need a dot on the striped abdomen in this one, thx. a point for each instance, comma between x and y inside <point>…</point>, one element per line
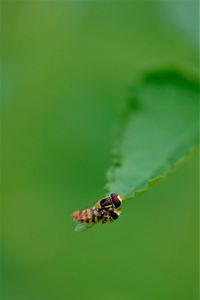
<point>90,215</point>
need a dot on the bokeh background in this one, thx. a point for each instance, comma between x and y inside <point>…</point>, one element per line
<point>66,68</point>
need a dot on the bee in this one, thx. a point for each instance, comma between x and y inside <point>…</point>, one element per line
<point>104,211</point>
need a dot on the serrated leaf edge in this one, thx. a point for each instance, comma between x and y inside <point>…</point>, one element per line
<point>155,180</point>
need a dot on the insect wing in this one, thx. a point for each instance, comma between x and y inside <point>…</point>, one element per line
<point>82,226</point>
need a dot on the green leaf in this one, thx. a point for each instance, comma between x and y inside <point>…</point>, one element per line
<point>158,131</point>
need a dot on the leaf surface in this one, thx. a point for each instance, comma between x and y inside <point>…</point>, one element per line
<point>159,130</point>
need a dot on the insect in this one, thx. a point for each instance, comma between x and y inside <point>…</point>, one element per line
<point>104,211</point>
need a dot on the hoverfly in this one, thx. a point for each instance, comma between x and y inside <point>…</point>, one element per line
<point>104,211</point>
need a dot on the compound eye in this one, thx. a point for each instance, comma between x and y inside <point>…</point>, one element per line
<point>116,200</point>
<point>114,215</point>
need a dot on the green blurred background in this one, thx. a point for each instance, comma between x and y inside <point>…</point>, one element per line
<point>66,68</point>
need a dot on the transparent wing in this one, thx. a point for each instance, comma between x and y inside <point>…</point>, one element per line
<point>82,226</point>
